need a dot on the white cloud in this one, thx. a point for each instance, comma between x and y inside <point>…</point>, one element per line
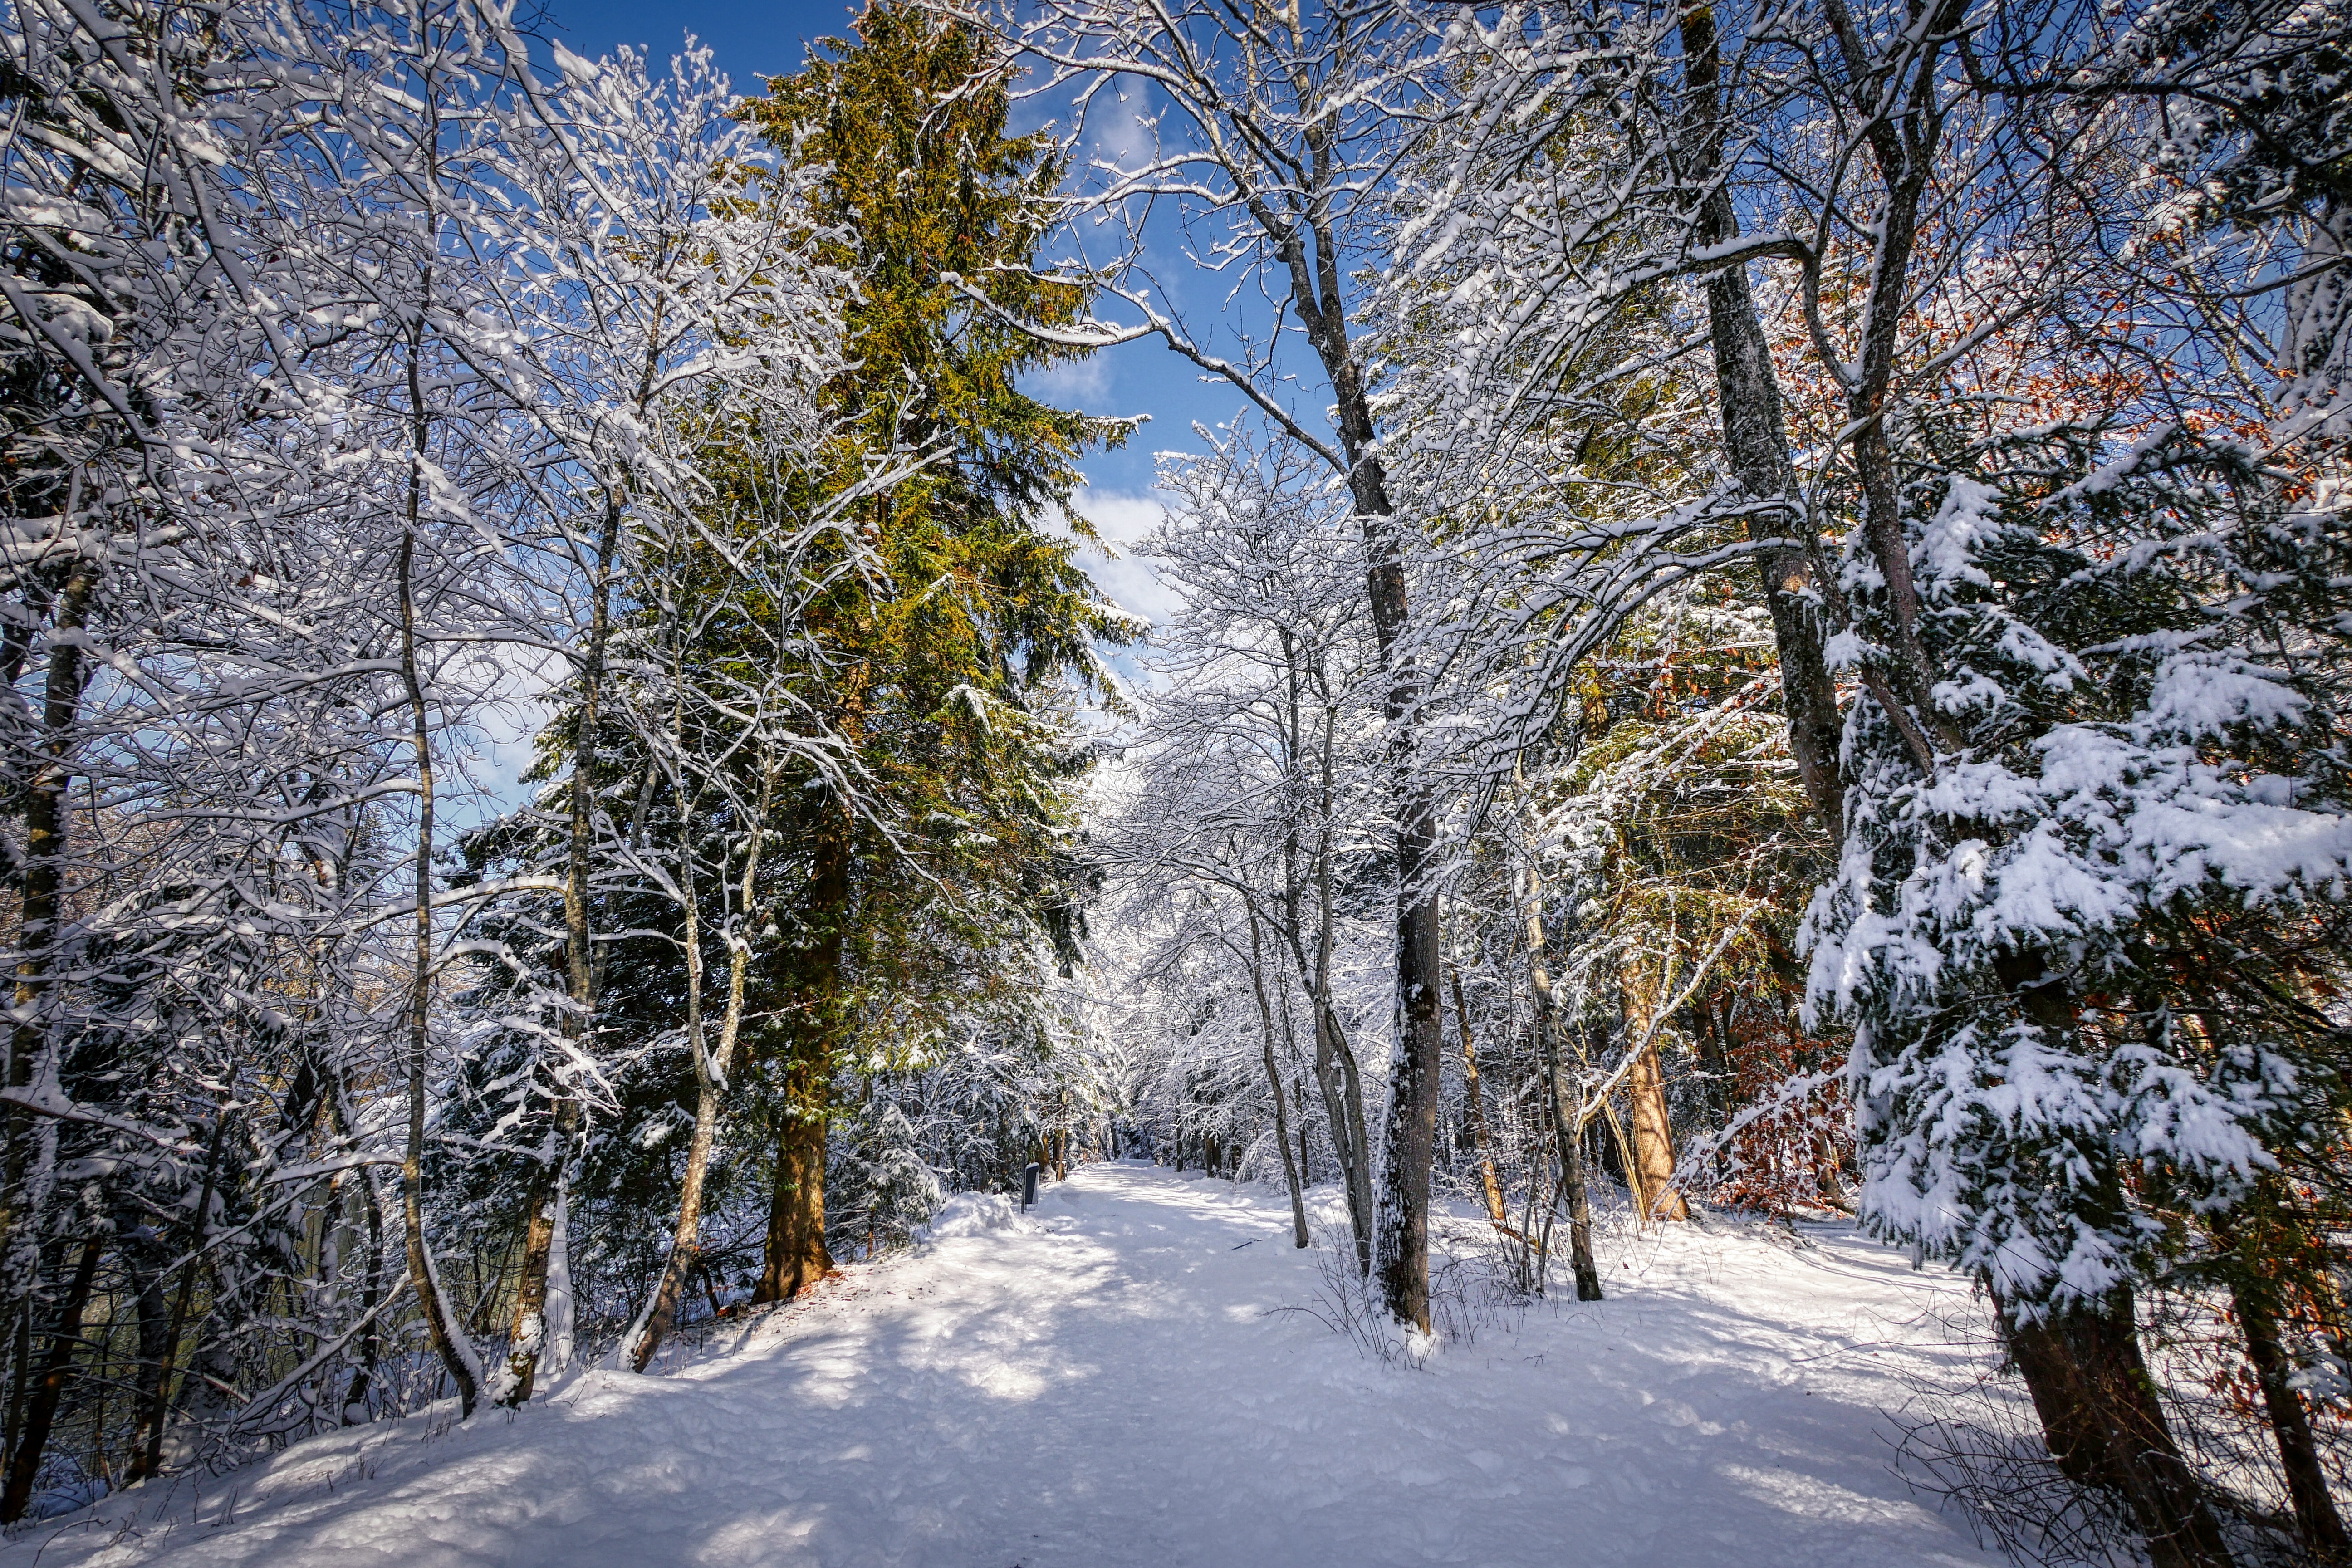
<point>1081,384</point>
<point>1125,519</point>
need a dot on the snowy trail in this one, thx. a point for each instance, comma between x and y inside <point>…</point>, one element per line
<point>1107,1387</point>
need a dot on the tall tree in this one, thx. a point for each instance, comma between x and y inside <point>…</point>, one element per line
<point>1274,128</point>
<point>948,673</point>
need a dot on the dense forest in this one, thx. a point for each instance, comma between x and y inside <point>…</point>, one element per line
<point>1771,641</point>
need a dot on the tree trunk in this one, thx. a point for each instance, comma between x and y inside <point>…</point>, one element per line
<point>1409,1138</point>
<point>1489,1181</point>
<point>1409,1135</point>
<point>1755,438</point>
<point>1654,1139</point>
<point>796,1255</point>
<point>20,1380</point>
<point>155,1412</point>
<point>1335,1064</point>
<point>41,1409</point>
<point>39,908</point>
<point>1298,1105</point>
<point>711,1076</point>
<point>1568,1118</point>
<point>2316,1518</point>
<point>457,1356</point>
<point>1274,1085</point>
<point>529,1328</point>
<point>372,1287</point>
<point>1653,1164</point>
<point>2105,1428</point>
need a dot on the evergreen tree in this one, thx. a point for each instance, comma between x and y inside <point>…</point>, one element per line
<point>949,677</point>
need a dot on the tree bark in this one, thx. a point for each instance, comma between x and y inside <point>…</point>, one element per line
<point>1335,1064</point>
<point>440,1330</point>
<point>711,1077</point>
<point>528,1333</point>
<point>372,1287</point>
<point>1274,1085</point>
<point>1755,438</point>
<point>155,1414</point>
<point>39,910</point>
<point>2105,1428</point>
<point>20,1378</point>
<point>1489,1183</point>
<point>796,1256</point>
<point>1567,1119</point>
<point>1409,1133</point>
<point>1298,1105</point>
<point>2316,1516</point>
<point>1654,1139</point>
<point>41,1409</point>
<point>1652,1152</point>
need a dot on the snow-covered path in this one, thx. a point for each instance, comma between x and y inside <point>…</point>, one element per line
<point>1109,1387</point>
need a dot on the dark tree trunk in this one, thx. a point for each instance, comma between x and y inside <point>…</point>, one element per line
<point>154,1412</point>
<point>1335,1064</point>
<point>1408,1140</point>
<point>142,1256</point>
<point>2316,1518</point>
<point>20,1381</point>
<point>371,1287</point>
<point>441,1331</point>
<point>1273,1084</point>
<point>2104,1426</point>
<point>1567,1108</point>
<point>796,1255</point>
<point>1298,1104</point>
<point>40,905</point>
<point>41,1408</point>
<point>1756,441</point>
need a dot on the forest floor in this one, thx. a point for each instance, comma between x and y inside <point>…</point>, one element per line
<point>1118,1381</point>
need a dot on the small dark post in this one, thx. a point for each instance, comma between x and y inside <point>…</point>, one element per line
<point>1029,1183</point>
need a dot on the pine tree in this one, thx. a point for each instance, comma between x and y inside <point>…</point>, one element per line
<point>949,678</point>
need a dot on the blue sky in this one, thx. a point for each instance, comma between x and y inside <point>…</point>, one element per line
<point>753,40</point>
